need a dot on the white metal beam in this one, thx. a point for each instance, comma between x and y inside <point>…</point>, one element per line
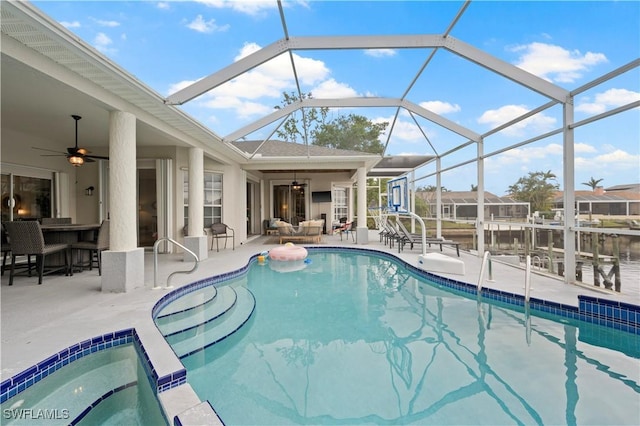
<point>264,121</point>
<point>505,69</point>
<point>441,121</point>
<point>301,43</point>
<point>227,73</point>
<point>354,103</point>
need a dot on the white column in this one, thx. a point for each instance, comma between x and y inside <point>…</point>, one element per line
<point>196,241</point>
<point>123,263</point>
<point>568,165</point>
<point>362,232</point>
<point>480,218</point>
<point>438,198</point>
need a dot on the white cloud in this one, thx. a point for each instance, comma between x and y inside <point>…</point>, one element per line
<point>380,53</point>
<point>331,89</point>
<point>310,71</point>
<point>74,24</point>
<point>555,63</point>
<point>243,109</point>
<point>583,147</point>
<point>496,117</point>
<point>248,7</point>
<point>440,107</point>
<point>163,5</point>
<point>618,159</point>
<point>403,131</point>
<point>202,26</point>
<point>102,42</point>
<point>612,98</point>
<point>109,24</point>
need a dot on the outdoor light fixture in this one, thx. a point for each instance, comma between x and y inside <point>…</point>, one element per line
<point>89,191</point>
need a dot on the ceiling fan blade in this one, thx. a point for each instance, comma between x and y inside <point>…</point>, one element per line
<point>88,160</point>
<point>99,157</point>
<point>53,155</point>
<point>50,150</point>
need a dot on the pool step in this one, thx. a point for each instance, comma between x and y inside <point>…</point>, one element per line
<point>189,301</point>
<point>181,322</point>
<point>72,389</point>
<point>204,336</point>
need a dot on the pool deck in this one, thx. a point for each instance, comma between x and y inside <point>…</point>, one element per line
<point>40,320</point>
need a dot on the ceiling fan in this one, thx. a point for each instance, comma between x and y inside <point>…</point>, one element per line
<point>75,155</point>
<point>295,184</point>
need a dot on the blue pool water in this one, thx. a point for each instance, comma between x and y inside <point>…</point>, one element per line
<point>107,387</point>
<point>357,339</point>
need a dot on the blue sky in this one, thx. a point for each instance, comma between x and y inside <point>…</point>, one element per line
<point>168,45</point>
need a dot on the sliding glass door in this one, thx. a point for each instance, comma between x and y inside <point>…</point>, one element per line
<point>289,203</point>
<point>25,197</point>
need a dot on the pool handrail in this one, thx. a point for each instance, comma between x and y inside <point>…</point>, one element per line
<point>486,264</point>
<point>155,262</point>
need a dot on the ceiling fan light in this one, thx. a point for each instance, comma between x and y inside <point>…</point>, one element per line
<point>76,161</point>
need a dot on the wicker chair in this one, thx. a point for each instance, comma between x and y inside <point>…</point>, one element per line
<point>95,248</point>
<point>220,230</point>
<point>27,240</point>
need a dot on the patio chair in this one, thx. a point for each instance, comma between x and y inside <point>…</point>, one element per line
<point>6,249</point>
<point>390,234</point>
<point>95,249</point>
<point>348,229</point>
<point>27,240</point>
<point>406,237</point>
<point>220,230</point>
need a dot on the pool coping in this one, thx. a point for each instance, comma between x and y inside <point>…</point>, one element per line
<point>611,314</point>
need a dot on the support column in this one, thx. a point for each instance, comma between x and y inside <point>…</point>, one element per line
<point>568,172</point>
<point>123,263</point>
<point>362,232</point>
<point>438,198</point>
<point>480,215</point>
<point>196,241</point>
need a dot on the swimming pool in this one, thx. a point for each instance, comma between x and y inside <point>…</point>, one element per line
<point>359,338</point>
<point>101,381</point>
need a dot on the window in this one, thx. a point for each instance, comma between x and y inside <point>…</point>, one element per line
<point>31,197</point>
<point>212,198</point>
<point>340,207</point>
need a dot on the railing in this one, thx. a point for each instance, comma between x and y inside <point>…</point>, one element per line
<point>487,264</point>
<point>155,263</point>
<point>423,228</point>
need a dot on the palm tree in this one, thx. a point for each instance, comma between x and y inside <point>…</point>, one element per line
<point>593,183</point>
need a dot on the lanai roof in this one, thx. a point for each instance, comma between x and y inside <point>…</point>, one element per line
<point>59,73</point>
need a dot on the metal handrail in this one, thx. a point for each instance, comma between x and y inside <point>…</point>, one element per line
<point>527,279</point>
<point>486,262</point>
<point>155,263</point>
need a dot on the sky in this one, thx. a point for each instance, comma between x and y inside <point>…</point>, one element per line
<point>168,45</point>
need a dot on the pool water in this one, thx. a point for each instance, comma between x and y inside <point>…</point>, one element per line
<point>111,382</point>
<point>357,339</point>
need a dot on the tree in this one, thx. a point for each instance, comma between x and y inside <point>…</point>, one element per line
<point>537,188</point>
<point>301,124</point>
<point>431,188</point>
<point>593,183</point>
<point>353,132</point>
